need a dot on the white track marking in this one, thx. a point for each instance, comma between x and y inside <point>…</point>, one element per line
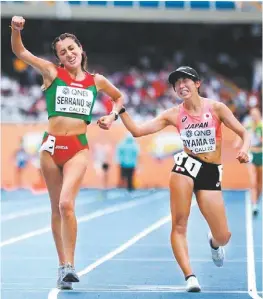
<point>85,218</point>
<point>54,292</point>
<point>46,208</point>
<point>128,289</point>
<point>251,275</point>
<point>40,210</point>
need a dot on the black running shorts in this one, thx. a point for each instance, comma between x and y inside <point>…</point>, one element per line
<point>206,176</point>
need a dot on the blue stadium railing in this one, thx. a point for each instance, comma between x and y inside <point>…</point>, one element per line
<point>219,5</point>
<point>176,5</point>
<point>156,4</point>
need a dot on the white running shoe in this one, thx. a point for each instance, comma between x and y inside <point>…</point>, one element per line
<point>63,285</point>
<point>218,255</point>
<point>69,274</point>
<point>192,285</point>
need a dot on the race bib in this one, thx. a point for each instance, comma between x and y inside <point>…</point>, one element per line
<point>184,161</point>
<point>73,100</point>
<point>199,140</point>
<point>49,145</point>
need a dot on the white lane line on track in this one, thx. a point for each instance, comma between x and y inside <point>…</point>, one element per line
<point>46,208</point>
<point>54,292</point>
<point>127,289</point>
<point>128,260</point>
<point>251,274</point>
<point>40,210</point>
<point>85,218</point>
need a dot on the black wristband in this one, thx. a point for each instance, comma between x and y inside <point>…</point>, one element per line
<point>123,109</point>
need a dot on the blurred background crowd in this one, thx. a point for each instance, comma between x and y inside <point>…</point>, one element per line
<point>137,58</point>
<point>135,44</point>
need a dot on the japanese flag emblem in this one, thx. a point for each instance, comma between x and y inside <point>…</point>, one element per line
<point>207,115</point>
<point>179,169</point>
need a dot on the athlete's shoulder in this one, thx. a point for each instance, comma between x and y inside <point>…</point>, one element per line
<point>62,73</point>
<point>60,69</point>
<point>216,105</point>
<point>88,74</point>
<point>217,108</point>
<point>210,102</point>
<point>170,115</point>
<point>100,80</point>
<point>172,111</point>
<point>90,77</point>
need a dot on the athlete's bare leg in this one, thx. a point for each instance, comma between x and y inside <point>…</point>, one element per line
<point>259,181</point>
<point>181,190</point>
<point>18,177</point>
<point>53,178</point>
<point>252,173</point>
<point>105,179</point>
<point>73,173</point>
<point>212,207</point>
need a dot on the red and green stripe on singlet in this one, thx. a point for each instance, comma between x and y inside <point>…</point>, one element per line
<point>64,79</point>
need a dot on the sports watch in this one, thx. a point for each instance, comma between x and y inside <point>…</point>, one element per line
<point>123,109</point>
<point>116,113</point>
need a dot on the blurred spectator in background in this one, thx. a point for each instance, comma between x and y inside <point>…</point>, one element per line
<point>146,94</point>
<point>140,68</point>
<point>254,126</point>
<point>102,152</point>
<point>253,123</point>
<point>21,160</point>
<point>127,154</point>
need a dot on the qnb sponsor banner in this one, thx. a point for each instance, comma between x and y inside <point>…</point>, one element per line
<point>73,100</point>
<point>199,140</point>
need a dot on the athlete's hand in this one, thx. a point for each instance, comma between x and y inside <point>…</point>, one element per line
<point>242,157</point>
<point>18,23</point>
<point>105,122</point>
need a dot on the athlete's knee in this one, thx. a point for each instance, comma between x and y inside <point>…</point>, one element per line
<point>55,213</point>
<point>223,238</point>
<point>179,226</point>
<point>66,207</point>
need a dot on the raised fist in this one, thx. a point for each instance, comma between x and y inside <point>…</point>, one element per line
<point>18,23</point>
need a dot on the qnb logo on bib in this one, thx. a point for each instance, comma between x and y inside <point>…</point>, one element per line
<point>73,100</point>
<point>199,140</point>
<point>65,90</point>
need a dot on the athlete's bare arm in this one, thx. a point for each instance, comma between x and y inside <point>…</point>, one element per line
<point>148,127</point>
<point>106,86</point>
<point>229,120</point>
<point>46,68</point>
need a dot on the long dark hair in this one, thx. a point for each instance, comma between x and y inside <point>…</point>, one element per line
<point>84,60</point>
